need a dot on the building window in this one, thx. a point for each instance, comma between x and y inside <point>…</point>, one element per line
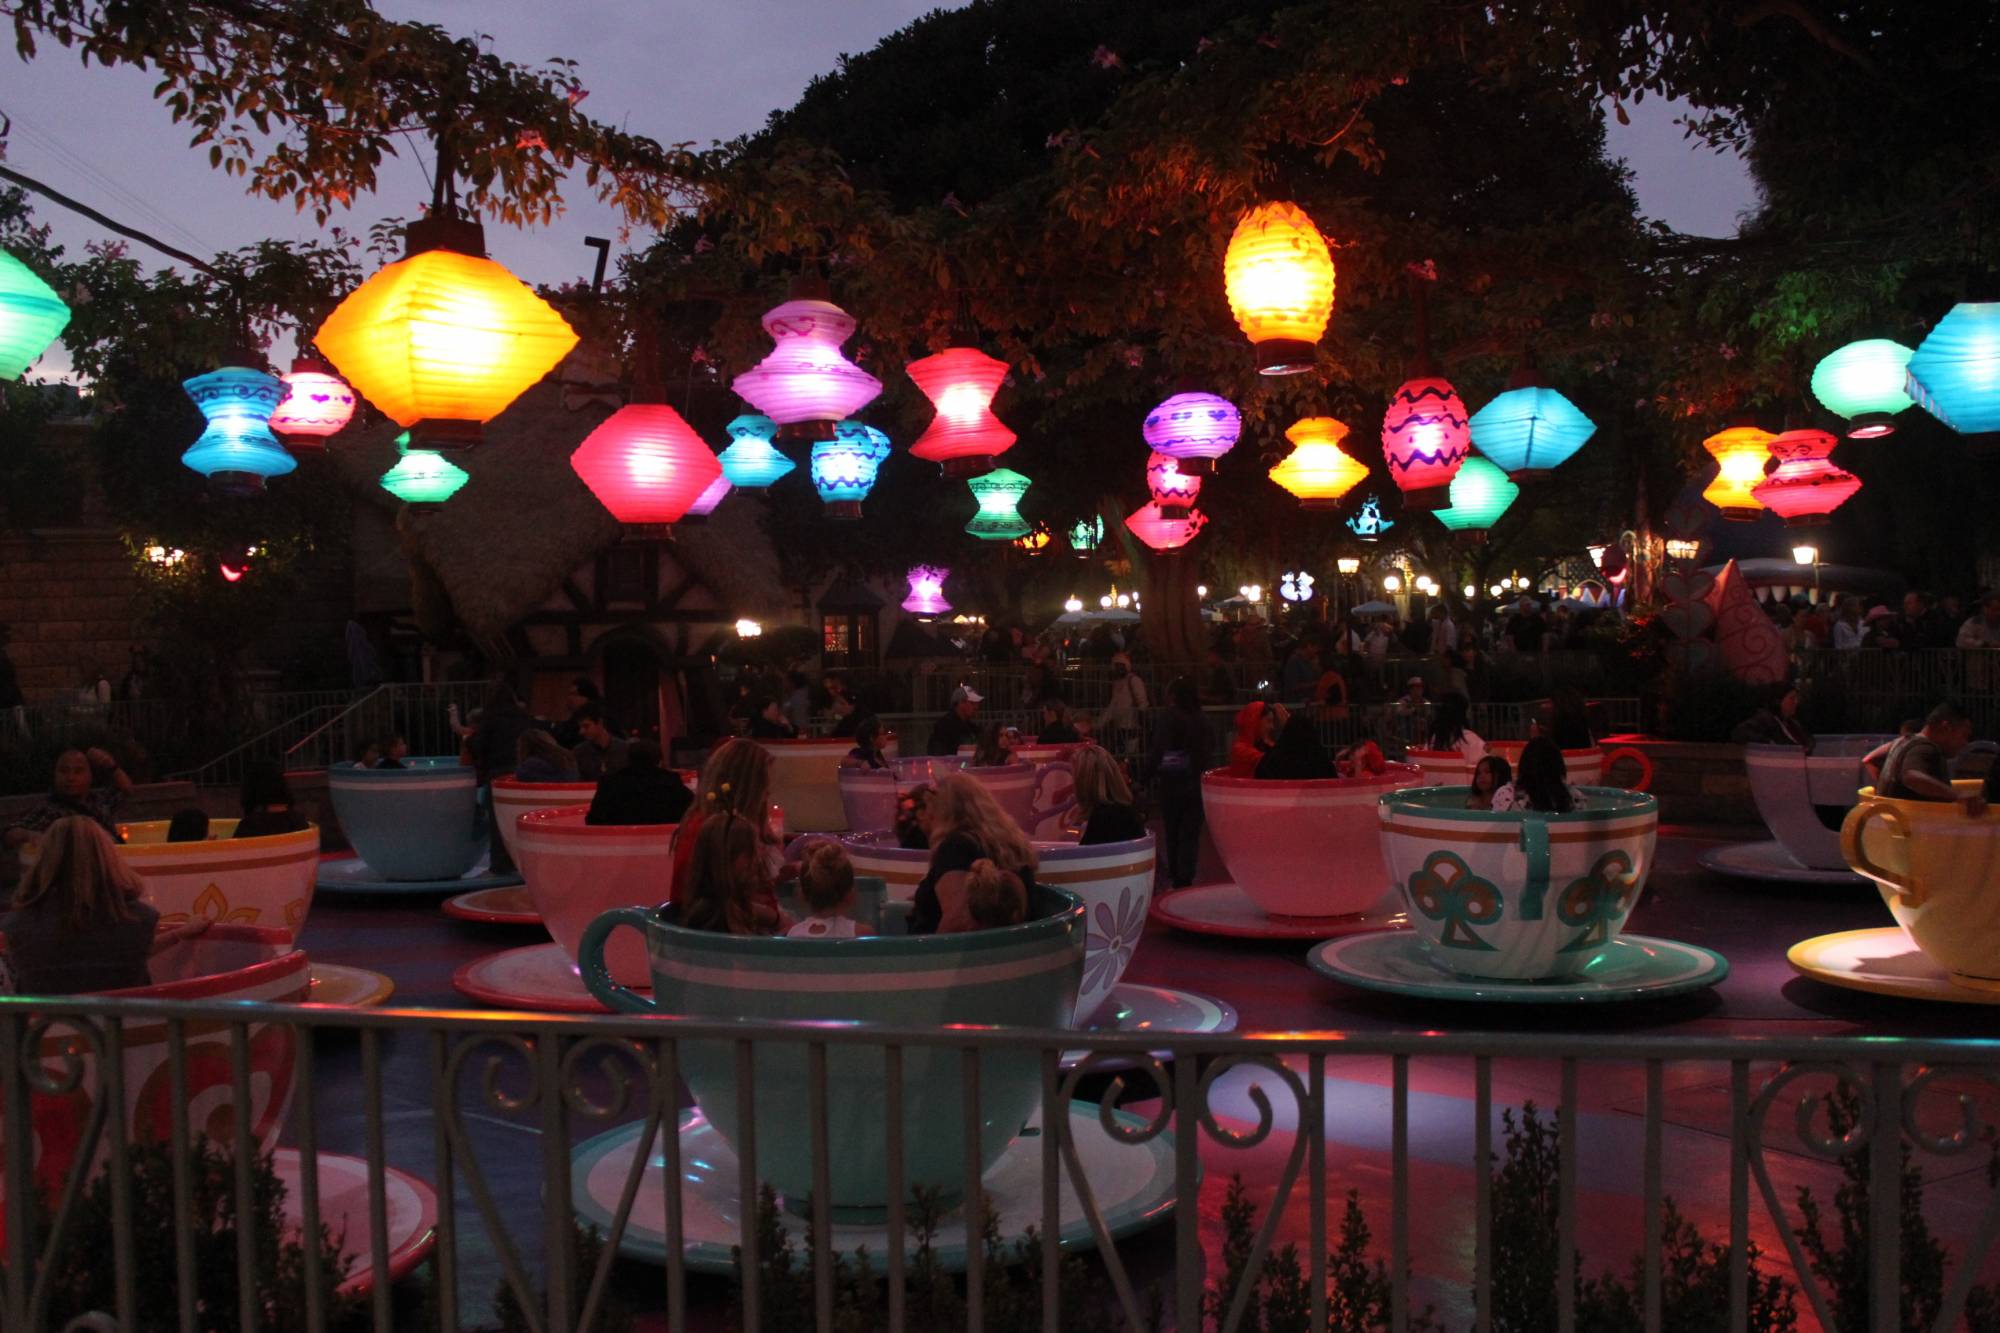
<point>847,640</point>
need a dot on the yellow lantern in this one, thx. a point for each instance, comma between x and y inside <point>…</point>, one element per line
<point>1279,276</point>
<point>1317,470</point>
<point>1742,452</point>
<point>443,340</point>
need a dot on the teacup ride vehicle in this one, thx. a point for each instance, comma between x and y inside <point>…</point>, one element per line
<point>72,1129</point>
<point>805,780</point>
<point>415,829</point>
<point>1802,796</point>
<point>1519,905</point>
<point>1304,858</point>
<point>1115,882</point>
<point>1039,809</point>
<point>1938,870</point>
<point>868,796</point>
<point>575,873</point>
<point>839,1130</point>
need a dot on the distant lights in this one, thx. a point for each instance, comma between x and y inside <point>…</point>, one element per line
<point>748,629</point>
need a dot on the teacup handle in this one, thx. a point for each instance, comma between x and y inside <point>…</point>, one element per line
<point>596,976</point>
<point>1535,846</point>
<point>1856,856</point>
<point>1638,757</point>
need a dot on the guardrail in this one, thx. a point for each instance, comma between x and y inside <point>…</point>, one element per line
<point>497,1083</point>
<point>1876,688</point>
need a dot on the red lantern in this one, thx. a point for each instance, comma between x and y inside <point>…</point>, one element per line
<point>965,437</point>
<point>1173,490</point>
<point>645,464</point>
<point>1425,437</point>
<point>1161,533</point>
<point>1805,487</point>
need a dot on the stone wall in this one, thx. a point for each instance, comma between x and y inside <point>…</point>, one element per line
<point>72,602</point>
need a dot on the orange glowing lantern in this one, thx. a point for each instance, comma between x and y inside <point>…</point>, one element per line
<point>965,437</point>
<point>1279,277</point>
<point>1318,471</point>
<point>1741,452</point>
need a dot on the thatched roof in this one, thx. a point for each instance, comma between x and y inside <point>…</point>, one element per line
<point>502,545</point>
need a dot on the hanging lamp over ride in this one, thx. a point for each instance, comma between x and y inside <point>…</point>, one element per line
<point>844,468</point>
<point>965,437</point>
<point>1425,436</point>
<point>1161,533</point>
<point>644,463</point>
<point>705,503</point>
<point>1195,429</point>
<point>1529,429</point>
<point>317,403</point>
<point>1955,372</point>
<point>927,591</point>
<point>1279,277</point>
<point>32,317</point>
<point>1173,490</point>
<point>1086,533</point>
<point>805,384</point>
<point>751,461</point>
<point>1317,470</point>
<point>237,451</point>
<point>999,495</point>
<point>1480,494</point>
<point>424,479</point>
<point>1865,382</point>
<point>445,339</point>
<point>1805,487</point>
<point>1740,452</point>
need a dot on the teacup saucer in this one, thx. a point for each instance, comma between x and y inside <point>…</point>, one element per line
<point>411,1207</point>
<point>1132,1007</point>
<point>1882,961</point>
<point>1133,1184</point>
<point>1632,967</point>
<point>539,977</point>
<point>351,874</point>
<point>1224,909</point>
<point>354,987</point>
<point>495,907</point>
<point>1771,862</point>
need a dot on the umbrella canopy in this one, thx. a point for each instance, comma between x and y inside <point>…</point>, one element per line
<point>1374,609</point>
<point>1114,616</point>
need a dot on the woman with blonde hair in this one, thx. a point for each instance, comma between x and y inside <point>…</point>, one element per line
<point>77,923</point>
<point>736,780</point>
<point>966,826</point>
<point>1102,809</point>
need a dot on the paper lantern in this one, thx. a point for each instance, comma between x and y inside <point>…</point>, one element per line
<point>1741,452</point>
<point>751,461</point>
<point>1196,428</point>
<point>32,316</point>
<point>1804,487</point>
<point>1279,277</point>
<point>1480,493</point>
<point>1368,524</point>
<point>645,464</point>
<point>316,404</point>
<point>705,503</point>
<point>1296,587</point>
<point>843,468</point>
<point>1529,430</point>
<point>927,591</point>
<point>1161,533</point>
<point>446,339</point>
<point>999,494</point>
<point>805,384</point>
<point>1318,471</point>
<point>1425,438</point>
<point>1864,382</point>
<point>965,437</point>
<point>424,478</point>
<point>1955,372</point>
<point>1086,533</point>
<point>237,450</point>
<point>1036,541</point>
<point>1173,490</point>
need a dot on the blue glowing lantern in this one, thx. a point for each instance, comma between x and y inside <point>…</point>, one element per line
<point>1529,429</point>
<point>237,452</point>
<point>843,468</point>
<point>999,494</point>
<point>752,462</point>
<point>1368,524</point>
<point>1955,373</point>
<point>31,317</point>
<point>1863,381</point>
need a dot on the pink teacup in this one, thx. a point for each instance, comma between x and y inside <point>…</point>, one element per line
<point>1307,848</point>
<point>576,872</point>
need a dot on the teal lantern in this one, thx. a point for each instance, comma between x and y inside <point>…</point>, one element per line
<point>1864,382</point>
<point>31,316</point>
<point>752,462</point>
<point>1530,429</point>
<point>844,467</point>
<point>237,451</point>
<point>1955,372</point>
<point>1086,533</point>
<point>999,494</point>
<point>1480,493</point>
<point>424,478</point>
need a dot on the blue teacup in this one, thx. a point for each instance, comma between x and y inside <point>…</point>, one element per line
<point>417,822</point>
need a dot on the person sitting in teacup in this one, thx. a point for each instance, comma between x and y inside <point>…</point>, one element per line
<point>826,885</point>
<point>1489,775</point>
<point>993,898</point>
<point>728,887</point>
<point>1918,767</point>
<point>1541,784</point>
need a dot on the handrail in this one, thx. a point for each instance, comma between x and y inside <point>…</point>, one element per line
<point>194,774</point>
<point>316,732</point>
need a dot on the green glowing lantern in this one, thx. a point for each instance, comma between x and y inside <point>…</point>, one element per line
<point>31,316</point>
<point>424,477</point>
<point>1864,382</point>
<point>1480,493</point>
<point>999,494</point>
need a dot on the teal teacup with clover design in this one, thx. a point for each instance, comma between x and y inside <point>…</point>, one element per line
<point>1515,894</point>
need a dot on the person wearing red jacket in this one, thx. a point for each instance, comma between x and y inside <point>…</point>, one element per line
<point>1257,727</point>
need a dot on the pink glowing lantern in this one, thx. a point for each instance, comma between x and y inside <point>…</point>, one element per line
<point>965,437</point>
<point>927,591</point>
<point>806,385</point>
<point>1173,490</point>
<point>1161,533</point>
<point>645,464</point>
<point>1194,428</point>
<point>1425,437</point>
<point>1805,487</point>
<point>317,403</point>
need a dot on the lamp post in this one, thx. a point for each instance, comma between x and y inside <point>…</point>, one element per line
<point>1809,555</point>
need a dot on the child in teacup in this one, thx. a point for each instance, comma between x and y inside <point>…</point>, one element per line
<point>1489,775</point>
<point>993,898</point>
<point>728,884</point>
<point>1541,783</point>
<point>826,884</point>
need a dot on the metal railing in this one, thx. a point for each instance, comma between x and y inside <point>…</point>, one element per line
<point>1876,688</point>
<point>493,1083</point>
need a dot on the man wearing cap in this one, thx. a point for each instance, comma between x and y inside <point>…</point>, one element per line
<point>955,728</point>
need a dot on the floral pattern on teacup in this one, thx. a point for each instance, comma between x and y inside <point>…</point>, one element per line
<point>1447,890</point>
<point>1114,934</point>
<point>1597,901</point>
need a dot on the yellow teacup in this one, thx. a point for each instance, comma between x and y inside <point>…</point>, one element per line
<point>1939,872</point>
